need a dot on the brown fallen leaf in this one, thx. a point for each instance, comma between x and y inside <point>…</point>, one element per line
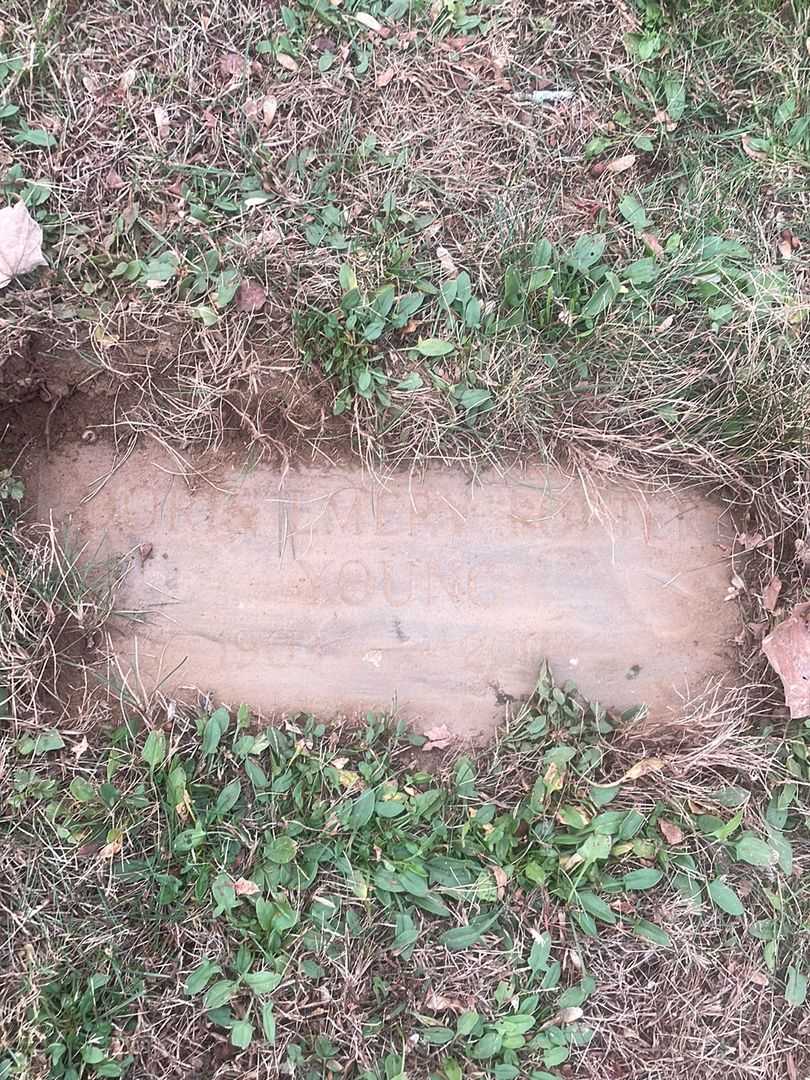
<point>621,164</point>
<point>440,1003</point>
<point>438,737</point>
<point>790,1061</point>
<point>661,116</point>
<point>770,596</point>
<point>111,849</point>
<point>269,109</point>
<point>446,261</point>
<point>233,65</point>
<point>788,651</point>
<point>749,541</point>
<point>384,78</point>
<point>81,747</point>
<point>20,243</point>
<point>751,151</point>
<point>653,243</point>
<point>671,832</point>
<point>563,1017</point>
<point>162,123</point>
<point>501,880</point>
<point>250,296</point>
<point>368,21</point>
<point>759,978</point>
<point>644,767</point>
<point>244,887</point>
<point>287,63</point>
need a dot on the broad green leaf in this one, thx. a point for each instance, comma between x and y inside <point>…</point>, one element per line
<point>263,982</point>
<point>281,850</point>
<point>633,212</point>
<point>242,1034</point>
<point>436,1036</point>
<point>650,932</point>
<point>362,810</point>
<point>750,849</point>
<point>795,987</point>
<point>466,1023</point>
<point>596,906</point>
<point>82,790</point>
<point>220,994</point>
<point>587,251</point>
<point>641,272</point>
<point>214,728</point>
<point>434,347</point>
<point>724,897</point>
<point>268,1023</point>
<point>347,278</point>
<point>41,743</point>
<point>676,98</point>
<point>596,846</point>
<point>464,937</point>
<point>641,879</point>
<point>601,299</point>
<point>540,953</point>
<point>201,976</point>
<point>227,798</point>
<point>224,894</point>
<point>154,749</point>
<point>487,1046</point>
<point>35,137</point>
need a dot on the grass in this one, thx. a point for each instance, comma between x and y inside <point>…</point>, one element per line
<point>336,902</point>
<point>457,269</point>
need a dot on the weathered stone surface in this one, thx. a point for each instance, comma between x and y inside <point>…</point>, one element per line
<point>329,590</point>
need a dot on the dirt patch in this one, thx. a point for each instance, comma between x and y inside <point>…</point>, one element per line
<point>331,590</point>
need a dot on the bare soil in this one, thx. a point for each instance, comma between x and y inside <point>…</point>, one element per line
<point>436,595</point>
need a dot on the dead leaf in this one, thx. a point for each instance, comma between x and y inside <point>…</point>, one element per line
<point>788,651</point>
<point>661,116</point>
<point>384,78</point>
<point>244,887</point>
<point>749,541</point>
<point>759,978</point>
<point>20,243</point>
<point>127,80</point>
<point>501,880</point>
<point>620,165</point>
<point>250,296</point>
<point>438,737</point>
<point>644,767</point>
<point>439,1003</point>
<point>162,123</point>
<point>111,849</point>
<point>788,243</point>
<point>751,151</point>
<point>232,65</point>
<point>653,243</point>
<point>770,596</point>
<point>446,261</point>
<point>81,747</point>
<point>671,832</point>
<point>368,21</point>
<point>269,109</point>
<point>287,63</point>
<point>564,1016</point>
<point>790,1060</point>
<point>114,181</point>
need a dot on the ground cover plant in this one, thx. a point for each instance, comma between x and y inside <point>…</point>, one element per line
<point>456,231</point>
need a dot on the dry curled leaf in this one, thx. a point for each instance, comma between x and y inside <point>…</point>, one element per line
<point>644,767</point>
<point>569,1015</point>
<point>438,737</point>
<point>20,243</point>
<point>501,880</point>
<point>250,296</point>
<point>440,1003</point>
<point>80,747</point>
<point>111,849</point>
<point>162,123</point>
<point>233,65</point>
<point>244,887</point>
<point>384,78</point>
<point>368,21</point>
<point>621,164</point>
<point>770,596</point>
<point>287,63</point>
<point>788,651</point>
<point>269,109</point>
<point>672,833</point>
<point>446,261</point>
